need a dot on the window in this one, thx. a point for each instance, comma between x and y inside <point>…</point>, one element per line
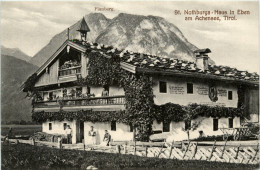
<point>187,125</point>
<point>88,90</point>
<point>113,125</point>
<point>64,126</point>
<point>50,126</point>
<point>230,122</point>
<point>166,127</point>
<point>78,91</point>
<point>162,87</point>
<point>131,127</point>
<point>230,97</point>
<point>215,124</point>
<point>64,92</point>
<point>50,95</point>
<point>189,88</point>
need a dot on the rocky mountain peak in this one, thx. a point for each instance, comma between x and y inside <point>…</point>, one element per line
<point>137,33</point>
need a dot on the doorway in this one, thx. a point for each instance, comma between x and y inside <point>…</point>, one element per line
<point>81,131</point>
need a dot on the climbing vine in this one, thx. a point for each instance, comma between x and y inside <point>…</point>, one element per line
<point>139,103</point>
<point>102,70</point>
<point>140,109</point>
<point>84,115</point>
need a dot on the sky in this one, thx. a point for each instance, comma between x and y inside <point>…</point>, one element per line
<point>29,26</point>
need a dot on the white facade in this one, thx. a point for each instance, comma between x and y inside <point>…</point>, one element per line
<point>57,127</point>
<point>122,132</point>
<point>177,92</point>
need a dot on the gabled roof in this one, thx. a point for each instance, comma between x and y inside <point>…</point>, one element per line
<point>83,26</point>
<point>53,57</point>
<point>145,63</point>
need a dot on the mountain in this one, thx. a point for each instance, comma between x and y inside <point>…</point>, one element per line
<point>15,52</point>
<point>14,105</point>
<point>97,22</point>
<point>146,34</point>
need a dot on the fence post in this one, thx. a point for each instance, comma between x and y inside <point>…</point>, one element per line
<point>135,148</point>
<point>186,149</point>
<point>171,149</point>
<point>160,151</point>
<point>182,145</point>
<point>33,141</point>
<point>213,148</point>
<point>60,142</point>
<point>237,151</point>
<point>125,149</point>
<point>146,151</point>
<point>195,150</point>
<point>223,149</point>
<point>255,153</point>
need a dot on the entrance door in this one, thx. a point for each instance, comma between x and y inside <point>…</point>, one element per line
<point>81,130</point>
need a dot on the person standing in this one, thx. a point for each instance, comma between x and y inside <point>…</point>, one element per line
<point>92,134</point>
<point>104,92</point>
<point>68,132</point>
<point>107,138</point>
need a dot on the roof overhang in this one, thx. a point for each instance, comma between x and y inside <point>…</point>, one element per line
<point>195,75</point>
<point>54,56</point>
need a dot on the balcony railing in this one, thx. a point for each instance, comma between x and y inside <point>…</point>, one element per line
<point>92,101</point>
<point>70,71</point>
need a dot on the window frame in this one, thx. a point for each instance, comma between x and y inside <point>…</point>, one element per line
<point>161,90</point>
<point>188,89</point>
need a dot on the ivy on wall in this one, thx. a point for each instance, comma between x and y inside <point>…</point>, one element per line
<point>102,70</point>
<point>83,115</point>
<point>139,103</point>
<point>140,108</point>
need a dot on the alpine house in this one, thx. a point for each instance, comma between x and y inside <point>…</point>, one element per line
<point>134,95</point>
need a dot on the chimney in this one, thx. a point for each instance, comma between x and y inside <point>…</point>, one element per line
<point>202,58</point>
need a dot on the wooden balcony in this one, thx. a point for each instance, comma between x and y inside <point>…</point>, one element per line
<point>91,101</point>
<point>70,71</point>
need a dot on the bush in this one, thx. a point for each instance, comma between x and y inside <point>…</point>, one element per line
<point>22,156</point>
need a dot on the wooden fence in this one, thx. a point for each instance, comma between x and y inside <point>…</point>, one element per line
<point>228,152</point>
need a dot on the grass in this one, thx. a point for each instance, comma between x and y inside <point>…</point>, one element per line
<point>21,129</point>
<point>22,156</point>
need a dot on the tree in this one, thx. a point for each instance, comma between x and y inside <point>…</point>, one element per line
<point>188,117</point>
